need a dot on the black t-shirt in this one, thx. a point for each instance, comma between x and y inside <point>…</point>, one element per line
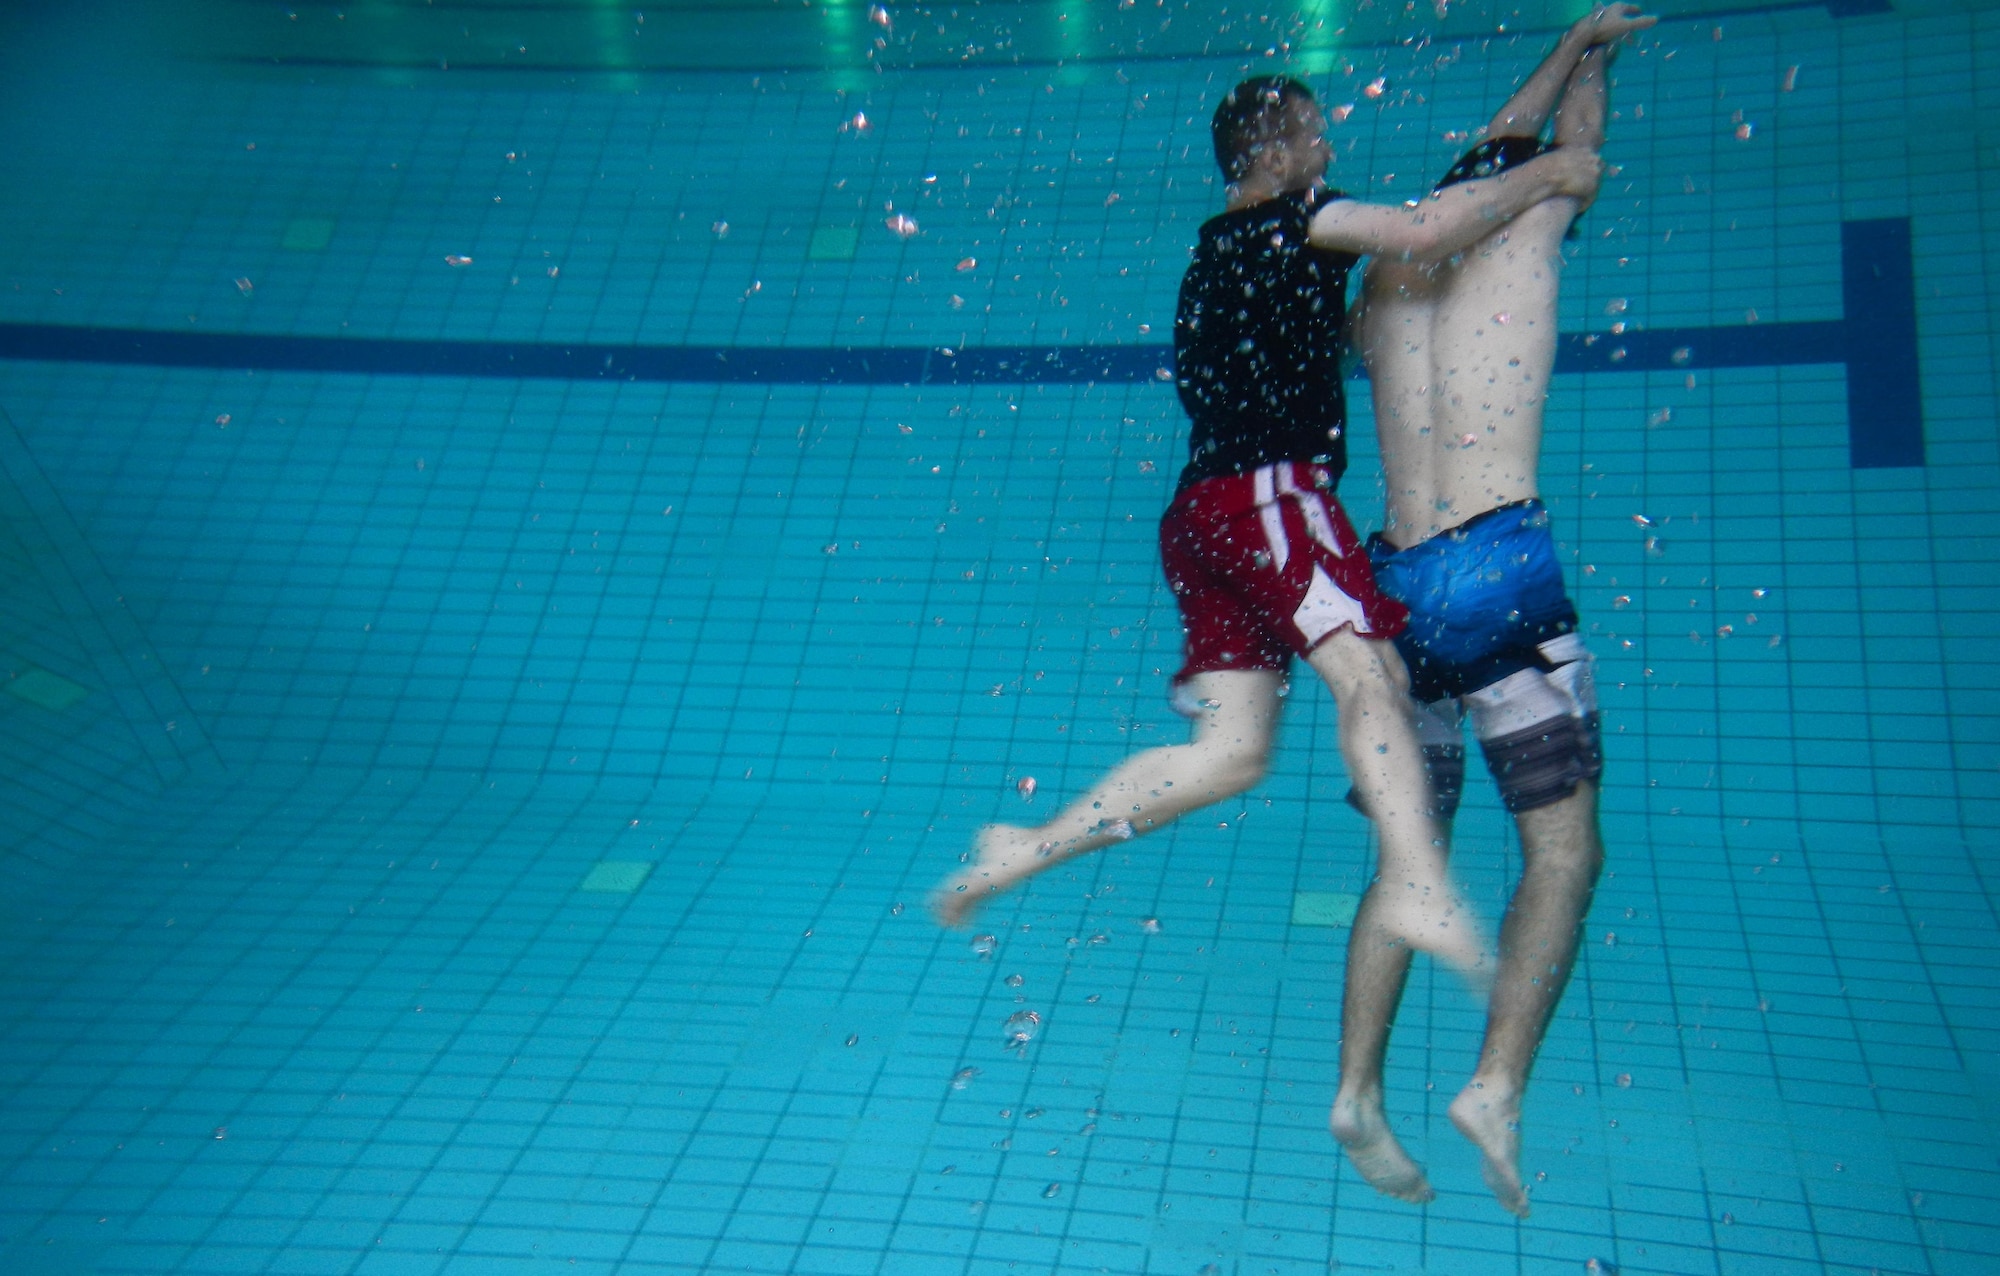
<point>1257,341</point>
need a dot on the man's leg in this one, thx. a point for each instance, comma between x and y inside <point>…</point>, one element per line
<point>1230,750</point>
<point>1561,855</point>
<point>1412,900</point>
<point>1411,903</point>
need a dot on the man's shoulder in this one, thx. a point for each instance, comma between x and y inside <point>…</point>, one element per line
<point>1290,213</point>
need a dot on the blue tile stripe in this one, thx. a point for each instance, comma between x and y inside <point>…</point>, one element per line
<point>1653,350</point>
<point>1885,403</point>
<point>1878,346</point>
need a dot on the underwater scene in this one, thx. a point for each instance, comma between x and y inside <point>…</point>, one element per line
<point>1064,636</point>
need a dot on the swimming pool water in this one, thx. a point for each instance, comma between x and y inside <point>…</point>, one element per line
<point>468,823</point>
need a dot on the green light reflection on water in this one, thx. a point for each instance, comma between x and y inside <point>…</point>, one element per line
<point>1317,50</point>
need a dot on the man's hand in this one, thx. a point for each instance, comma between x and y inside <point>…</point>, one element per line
<point>1576,170</point>
<point>1610,23</point>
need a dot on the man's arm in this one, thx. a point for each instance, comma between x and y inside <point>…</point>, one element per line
<point>1585,99</point>
<point>1528,110</point>
<point>1458,216</point>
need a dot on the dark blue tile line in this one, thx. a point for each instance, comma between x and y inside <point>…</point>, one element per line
<point>773,365</point>
<point>1878,346</point>
<point>1763,345</point>
<point>1885,398</point>
<point>1649,351</point>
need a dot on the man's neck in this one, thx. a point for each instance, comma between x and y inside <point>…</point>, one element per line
<point>1258,188</point>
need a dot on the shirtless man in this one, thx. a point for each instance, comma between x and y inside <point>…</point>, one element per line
<point>1259,554</point>
<point>1459,353</point>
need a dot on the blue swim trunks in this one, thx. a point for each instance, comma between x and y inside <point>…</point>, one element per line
<point>1483,597</point>
<point>1492,637</point>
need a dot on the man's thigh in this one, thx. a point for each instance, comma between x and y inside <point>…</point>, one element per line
<point>1539,727</point>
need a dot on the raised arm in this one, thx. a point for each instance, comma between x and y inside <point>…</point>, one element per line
<point>1459,215</point>
<point>1529,109</point>
<point>1580,115</point>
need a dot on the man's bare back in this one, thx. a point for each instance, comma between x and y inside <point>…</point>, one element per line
<point>1459,354</point>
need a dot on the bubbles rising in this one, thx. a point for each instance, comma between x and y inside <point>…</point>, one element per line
<point>1021,1027</point>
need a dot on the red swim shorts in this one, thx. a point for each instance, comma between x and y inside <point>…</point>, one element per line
<point>1266,564</point>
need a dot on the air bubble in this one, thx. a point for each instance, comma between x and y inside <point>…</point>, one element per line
<point>1026,788</point>
<point>983,945</point>
<point>1021,1027</point>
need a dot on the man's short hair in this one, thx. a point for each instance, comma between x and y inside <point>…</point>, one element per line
<point>1249,117</point>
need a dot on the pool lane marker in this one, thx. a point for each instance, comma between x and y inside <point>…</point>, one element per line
<point>1876,341</point>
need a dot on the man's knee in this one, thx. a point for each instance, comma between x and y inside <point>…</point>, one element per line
<point>1561,836</point>
<point>1239,765</point>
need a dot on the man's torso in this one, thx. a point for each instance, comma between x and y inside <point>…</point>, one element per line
<point>1459,357</point>
<point>1257,342</point>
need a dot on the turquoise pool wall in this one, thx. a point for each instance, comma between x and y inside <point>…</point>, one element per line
<point>307,983</point>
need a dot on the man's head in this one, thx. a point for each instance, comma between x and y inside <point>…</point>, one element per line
<point>1270,127</point>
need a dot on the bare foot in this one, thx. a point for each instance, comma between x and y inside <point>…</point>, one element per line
<point>1372,1148</point>
<point>1434,920</point>
<point>1492,1121</point>
<point>1003,855</point>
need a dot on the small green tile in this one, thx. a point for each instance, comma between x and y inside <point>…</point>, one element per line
<point>49,690</point>
<point>308,234</point>
<point>1324,908</point>
<point>834,243</point>
<point>616,877</point>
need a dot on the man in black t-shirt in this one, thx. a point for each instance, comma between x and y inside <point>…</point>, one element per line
<point>1261,558</point>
